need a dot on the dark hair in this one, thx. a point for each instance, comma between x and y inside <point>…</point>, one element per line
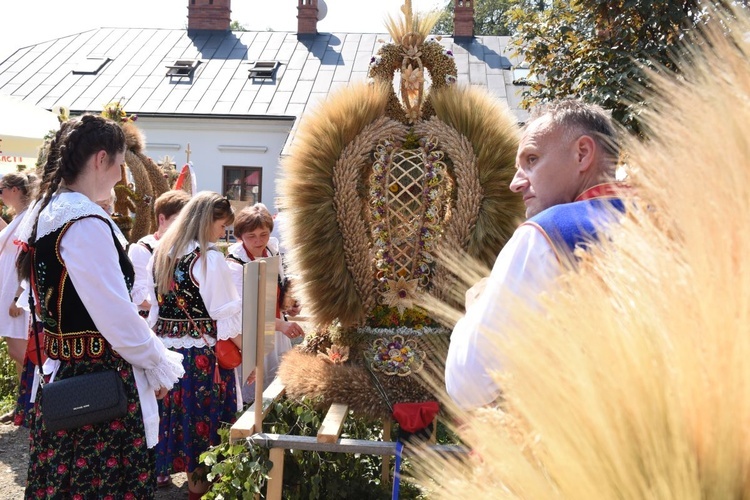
<point>251,218</point>
<point>73,145</point>
<point>590,119</point>
<point>51,155</point>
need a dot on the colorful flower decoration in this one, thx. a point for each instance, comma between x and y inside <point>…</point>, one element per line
<point>401,294</point>
<point>335,355</point>
<point>401,291</point>
<point>395,356</point>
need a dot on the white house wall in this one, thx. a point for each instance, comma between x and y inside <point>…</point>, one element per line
<point>216,143</point>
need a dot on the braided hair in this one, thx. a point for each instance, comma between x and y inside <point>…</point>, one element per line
<point>69,151</point>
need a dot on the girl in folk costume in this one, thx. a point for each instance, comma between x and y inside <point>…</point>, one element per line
<point>166,208</point>
<point>195,307</point>
<point>80,277</point>
<point>16,191</point>
<point>252,228</point>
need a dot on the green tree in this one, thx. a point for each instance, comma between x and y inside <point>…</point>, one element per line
<point>489,18</point>
<point>237,26</point>
<point>599,49</point>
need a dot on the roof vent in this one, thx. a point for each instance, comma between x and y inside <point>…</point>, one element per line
<point>91,65</point>
<point>263,69</point>
<point>182,68</point>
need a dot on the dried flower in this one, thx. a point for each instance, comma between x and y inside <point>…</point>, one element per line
<point>335,355</point>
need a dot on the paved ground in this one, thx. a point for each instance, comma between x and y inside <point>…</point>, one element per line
<point>14,459</point>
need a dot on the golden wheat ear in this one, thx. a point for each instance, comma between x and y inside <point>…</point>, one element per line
<point>633,382</point>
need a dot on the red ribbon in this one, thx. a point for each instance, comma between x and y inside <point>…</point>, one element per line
<point>24,246</point>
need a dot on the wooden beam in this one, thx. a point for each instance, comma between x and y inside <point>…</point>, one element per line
<point>343,445</point>
<point>330,429</point>
<point>276,474</point>
<point>244,427</point>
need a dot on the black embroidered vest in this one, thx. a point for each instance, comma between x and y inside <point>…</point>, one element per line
<point>70,333</point>
<point>182,312</point>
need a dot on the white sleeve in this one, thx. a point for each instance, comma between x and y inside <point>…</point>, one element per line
<point>139,256</point>
<point>219,293</point>
<point>92,262</point>
<point>526,266</point>
<point>237,271</point>
<point>153,313</point>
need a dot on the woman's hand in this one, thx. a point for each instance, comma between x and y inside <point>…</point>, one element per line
<point>290,329</point>
<point>14,311</point>
<point>161,392</point>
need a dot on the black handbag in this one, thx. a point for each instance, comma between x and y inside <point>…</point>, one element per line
<point>87,399</point>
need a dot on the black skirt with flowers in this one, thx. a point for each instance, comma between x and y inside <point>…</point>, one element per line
<point>108,460</point>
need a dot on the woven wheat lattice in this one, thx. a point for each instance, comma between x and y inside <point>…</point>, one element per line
<point>405,209</point>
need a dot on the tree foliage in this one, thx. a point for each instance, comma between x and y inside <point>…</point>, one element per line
<point>599,49</point>
<point>489,18</point>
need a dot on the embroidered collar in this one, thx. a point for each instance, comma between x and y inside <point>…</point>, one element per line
<point>240,252</point>
<point>62,208</point>
<point>606,190</point>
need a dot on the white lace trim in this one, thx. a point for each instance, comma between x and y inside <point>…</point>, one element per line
<point>64,207</point>
<point>168,372</point>
<point>151,427</point>
<point>186,342</point>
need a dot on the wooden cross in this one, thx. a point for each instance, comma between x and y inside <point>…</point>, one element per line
<point>187,152</point>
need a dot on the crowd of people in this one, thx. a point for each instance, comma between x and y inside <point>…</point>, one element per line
<point>154,310</point>
<point>79,299</point>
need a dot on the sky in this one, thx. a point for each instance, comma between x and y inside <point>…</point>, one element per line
<point>29,22</point>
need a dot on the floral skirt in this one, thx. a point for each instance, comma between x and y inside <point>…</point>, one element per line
<point>107,460</point>
<point>24,414</point>
<point>193,411</point>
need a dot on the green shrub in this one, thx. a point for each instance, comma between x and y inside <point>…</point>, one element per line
<point>307,474</point>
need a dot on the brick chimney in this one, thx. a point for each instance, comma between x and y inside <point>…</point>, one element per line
<point>209,15</point>
<point>463,19</point>
<point>307,18</point>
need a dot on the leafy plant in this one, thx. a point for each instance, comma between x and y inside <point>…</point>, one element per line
<point>307,474</point>
<point>238,470</point>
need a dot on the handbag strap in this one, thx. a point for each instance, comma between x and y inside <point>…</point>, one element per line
<point>195,327</point>
<point>32,307</point>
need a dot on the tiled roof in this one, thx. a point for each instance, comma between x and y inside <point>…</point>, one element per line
<point>310,68</point>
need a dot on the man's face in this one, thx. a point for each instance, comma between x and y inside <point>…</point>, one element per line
<point>546,167</point>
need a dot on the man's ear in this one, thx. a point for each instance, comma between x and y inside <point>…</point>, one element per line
<point>585,152</point>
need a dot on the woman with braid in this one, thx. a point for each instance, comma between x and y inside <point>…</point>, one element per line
<point>16,191</point>
<point>80,281</point>
<point>196,305</point>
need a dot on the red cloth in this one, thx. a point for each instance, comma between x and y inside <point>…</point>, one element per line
<point>413,417</point>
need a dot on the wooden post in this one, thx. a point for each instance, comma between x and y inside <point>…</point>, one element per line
<point>385,473</point>
<point>276,474</point>
<point>260,347</point>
